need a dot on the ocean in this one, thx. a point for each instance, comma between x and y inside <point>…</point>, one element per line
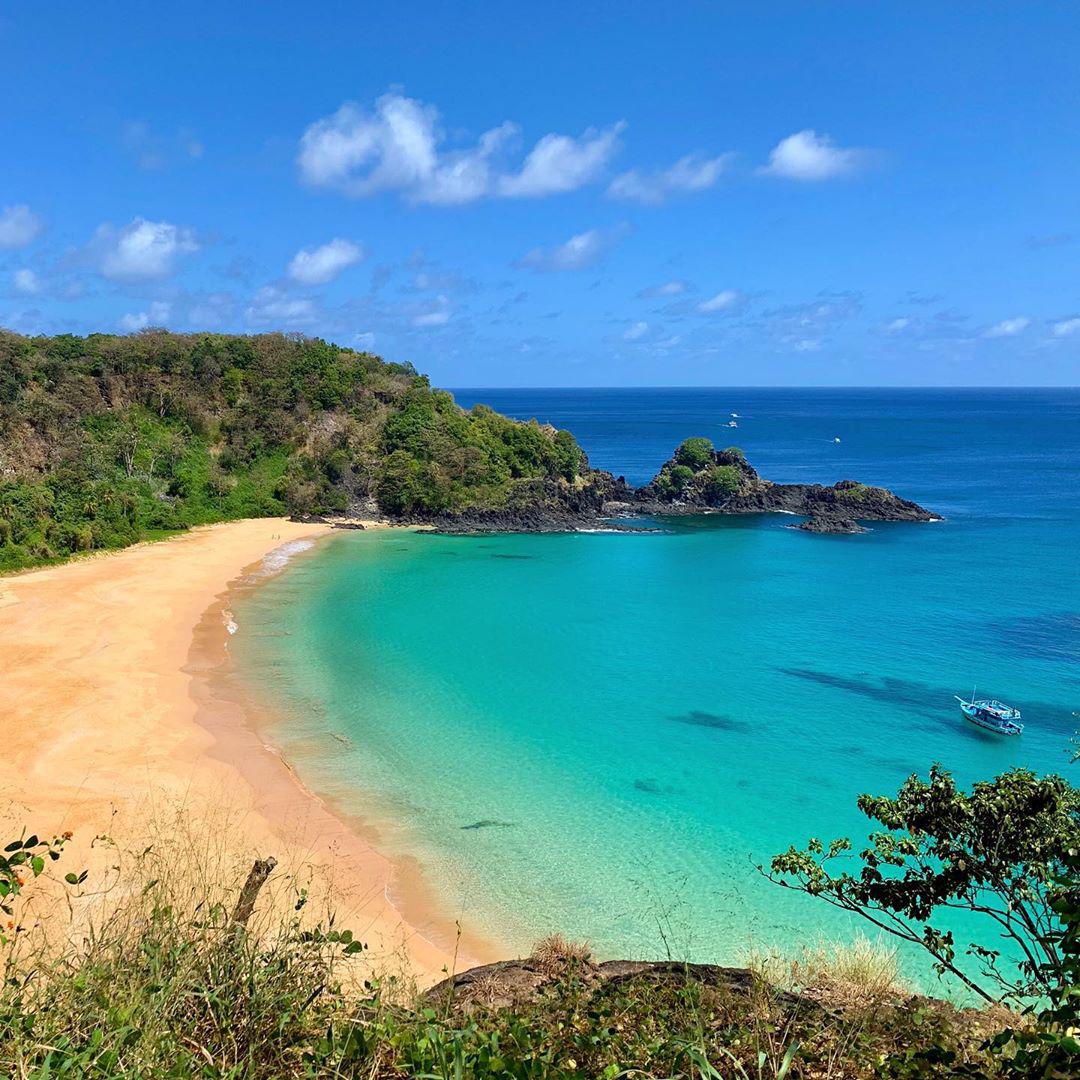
<point>605,734</point>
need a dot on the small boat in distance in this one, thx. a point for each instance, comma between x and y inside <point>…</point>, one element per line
<point>992,715</point>
<point>732,423</point>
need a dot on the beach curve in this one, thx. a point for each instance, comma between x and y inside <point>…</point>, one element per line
<point>113,695</point>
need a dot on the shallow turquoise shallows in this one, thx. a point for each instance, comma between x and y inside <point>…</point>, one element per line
<point>603,734</point>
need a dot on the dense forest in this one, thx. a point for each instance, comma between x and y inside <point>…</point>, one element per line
<point>106,440</point>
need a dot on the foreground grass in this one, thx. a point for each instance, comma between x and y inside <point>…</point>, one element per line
<point>162,974</point>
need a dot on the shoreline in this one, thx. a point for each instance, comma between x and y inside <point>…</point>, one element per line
<point>116,700</point>
<point>238,720</point>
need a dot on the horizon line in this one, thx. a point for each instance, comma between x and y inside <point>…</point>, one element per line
<point>778,386</point>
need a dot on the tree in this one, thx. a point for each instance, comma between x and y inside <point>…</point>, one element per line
<point>695,453</point>
<point>999,852</point>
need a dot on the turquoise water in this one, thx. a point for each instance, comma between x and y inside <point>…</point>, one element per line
<point>633,721</point>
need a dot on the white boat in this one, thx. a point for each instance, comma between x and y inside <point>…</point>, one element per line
<point>732,423</point>
<point>992,715</point>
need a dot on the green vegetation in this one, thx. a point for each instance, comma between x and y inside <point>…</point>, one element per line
<point>997,852</point>
<point>721,482</point>
<point>1007,852</point>
<point>699,472</point>
<point>675,479</point>
<point>853,491</point>
<point>107,440</point>
<point>172,977</point>
<point>695,453</point>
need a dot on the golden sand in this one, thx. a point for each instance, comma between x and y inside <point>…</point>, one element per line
<point>114,707</point>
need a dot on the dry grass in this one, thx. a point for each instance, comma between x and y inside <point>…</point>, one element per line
<point>554,955</point>
<point>148,976</point>
<point>857,972</point>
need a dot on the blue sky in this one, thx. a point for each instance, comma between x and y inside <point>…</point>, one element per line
<point>563,194</point>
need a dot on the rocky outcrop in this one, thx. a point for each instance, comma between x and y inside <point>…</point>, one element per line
<point>540,506</point>
<point>701,479</point>
<point>824,523</point>
<point>698,479</point>
<point>513,983</point>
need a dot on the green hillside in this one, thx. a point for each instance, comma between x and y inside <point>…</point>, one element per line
<point>106,440</point>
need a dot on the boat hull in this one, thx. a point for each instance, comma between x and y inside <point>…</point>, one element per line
<point>989,723</point>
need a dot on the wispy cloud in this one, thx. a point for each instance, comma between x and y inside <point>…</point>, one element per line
<point>724,302</point>
<point>808,156</point>
<point>321,265</point>
<point>636,331</point>
<point>19,226</point>
<point>400,147</point>
<point>153,151</point>
<point>1008,327</point>
<point>667,289</point>
<point>805,327</point>
<point>689,174</point>
<point>1066,327</point>
<point>156,315</point>
<point>1049,240</point>
<point>578,253</point>
<point>437,314</point>
<point>25,282</point>
<point>272,306</point>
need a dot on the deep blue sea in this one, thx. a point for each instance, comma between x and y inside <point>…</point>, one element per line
<point>603,733</point>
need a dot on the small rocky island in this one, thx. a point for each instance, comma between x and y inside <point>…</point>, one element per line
<point>698,479</point>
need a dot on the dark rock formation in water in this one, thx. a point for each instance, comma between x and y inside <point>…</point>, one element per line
<point>700,479</point>
<point>697,480</point>
<point>826,523</point>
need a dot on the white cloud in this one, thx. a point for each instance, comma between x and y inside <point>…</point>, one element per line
<point>726,300</point>
<point>399,147</point>
<point>437,315</point>
<point>578,253</point>
<point>1067,327</point>
<point>560,163</point>
<point>321,265</point>
<point>1008,327</point>
<point>157,315</point>
<point>142,251</point>
<point>26,282</point>
<point>19,226</point>
<point>668,288</point>
<point>636,331</point>
<point>689,174</point>
<point>809,156</point>
<point>897,326</point>
<point>272,306</point>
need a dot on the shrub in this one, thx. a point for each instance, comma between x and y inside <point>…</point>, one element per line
<point>721,482</point>
<point>695,453</point>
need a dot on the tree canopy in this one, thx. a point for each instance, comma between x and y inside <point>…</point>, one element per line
<point>105,440</point>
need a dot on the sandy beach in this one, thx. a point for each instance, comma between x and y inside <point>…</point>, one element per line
<point>114,705</point>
